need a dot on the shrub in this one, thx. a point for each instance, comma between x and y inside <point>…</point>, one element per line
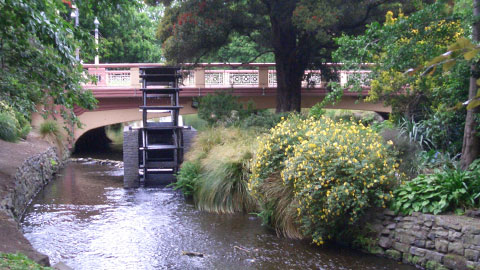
<point>439,192</point>
<point>405,150</point>
<point>220,107</point>
<point>262,120</point>
<point>334,172</point>
<point>20,122</point>
<point>23,126</point>
<point>8,131</point>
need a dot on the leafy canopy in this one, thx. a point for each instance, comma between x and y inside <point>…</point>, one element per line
<point>127,31</point>
<point>37,63</point>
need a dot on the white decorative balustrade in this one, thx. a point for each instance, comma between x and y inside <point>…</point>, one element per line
<point>210,76</point>
<point>118,77</point>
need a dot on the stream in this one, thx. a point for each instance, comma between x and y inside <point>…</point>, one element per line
<point>86,219</point>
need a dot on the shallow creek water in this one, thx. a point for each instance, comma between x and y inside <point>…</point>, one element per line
<point>85,219</point>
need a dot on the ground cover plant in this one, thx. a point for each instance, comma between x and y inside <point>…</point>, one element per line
<point>19,262</point>
<point>331,171</point>
<point>441,191</point>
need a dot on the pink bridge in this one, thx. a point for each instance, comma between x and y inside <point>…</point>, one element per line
<point>118,90</point>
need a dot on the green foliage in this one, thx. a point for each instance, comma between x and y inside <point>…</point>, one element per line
<point>317,111</point>
<point>53,162</point>
<point>218,108</point>
<point>334,171</point>
<point>127,31</point>
<point>194,121</point>
<point>22,125</point>
<point>8,130</point>
<point>241,49</point>
<point>299,34</point>
<point>440,192</point>
<point>430,160</point>
<point>416,132</point>
<point>405,150</point>
<point>37,61</point>
<point>398,46</point>
<point>262,120</point>
<point>187,178</point>
<point>19,262</point>
<point>50,128</point>
<point>216,171</point>
<point>365,237</point>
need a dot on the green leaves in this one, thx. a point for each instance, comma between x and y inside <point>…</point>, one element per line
<point>439,192</point>
<point>462,47</point>
<point>38,65</point>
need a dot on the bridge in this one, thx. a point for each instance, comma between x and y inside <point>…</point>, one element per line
<point>118,90</point>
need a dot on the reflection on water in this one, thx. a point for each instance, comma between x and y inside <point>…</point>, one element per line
<point>87,220</point>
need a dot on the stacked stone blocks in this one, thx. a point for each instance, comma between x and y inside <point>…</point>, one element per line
<point>130,158</point>
<point>429,241</point>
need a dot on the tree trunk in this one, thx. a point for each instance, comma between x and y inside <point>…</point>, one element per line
<point>289,85</point>
<point>290,65</point>
<point>471,140</point>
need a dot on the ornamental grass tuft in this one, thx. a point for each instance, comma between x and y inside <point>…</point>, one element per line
<point>215,171</point>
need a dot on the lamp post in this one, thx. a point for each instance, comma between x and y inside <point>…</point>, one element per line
<point>96,22</point>
<point>75,15</point>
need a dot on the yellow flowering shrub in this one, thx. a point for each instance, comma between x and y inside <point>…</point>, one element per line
<point>335,171</point>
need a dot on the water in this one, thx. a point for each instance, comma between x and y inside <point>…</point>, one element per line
<point>87,220</point>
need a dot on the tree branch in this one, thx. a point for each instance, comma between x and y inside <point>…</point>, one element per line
<point>257,56</point>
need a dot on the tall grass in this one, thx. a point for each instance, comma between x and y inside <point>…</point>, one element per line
<point>50,130</point>
<point>223,155</point>
<point>50,127</point>
<point>280,211</point>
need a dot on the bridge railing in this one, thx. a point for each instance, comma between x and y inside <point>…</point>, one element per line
<point>215,75</point>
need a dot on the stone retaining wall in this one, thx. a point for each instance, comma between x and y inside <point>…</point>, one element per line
<point>18,187</point>
<point>29,179</point>
<point>428,241</point>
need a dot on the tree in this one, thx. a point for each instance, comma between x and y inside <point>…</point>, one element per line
<point>299,32</point>
<point>471,139</point>
<point>400,50</point>
<point>127,31</point>
<point>37,65</point>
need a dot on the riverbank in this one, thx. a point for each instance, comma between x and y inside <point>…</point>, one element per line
<point>25,168</point>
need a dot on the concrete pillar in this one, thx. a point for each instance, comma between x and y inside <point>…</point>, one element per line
<point>199,76</point>
<point>263,77</point>
<point>131,178</point>
<point>135,77</point>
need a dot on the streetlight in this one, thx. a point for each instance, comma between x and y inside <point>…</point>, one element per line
<point>75,15</point>
<point>96,22</point>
